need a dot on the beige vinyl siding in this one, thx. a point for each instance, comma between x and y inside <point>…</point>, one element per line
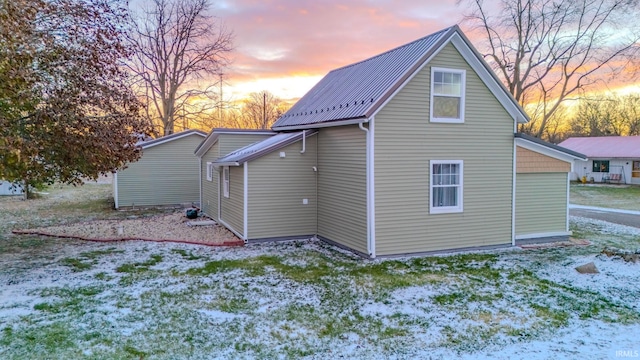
<point>232,142</point>
<point>276,189</point>
<point>528,161</point>
<point>209,204</point>
<point>166,174</point>
<point>405,141</point>
<point>342,186</point>
<point>225,144</point>
<point>541,203</point>
<point>232,208</point>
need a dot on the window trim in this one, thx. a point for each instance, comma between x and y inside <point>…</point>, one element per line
<point>446,209</point>
<point>226,180</point>
<point>209,171</point>
<point>601,163</point>
<point>463,86</point>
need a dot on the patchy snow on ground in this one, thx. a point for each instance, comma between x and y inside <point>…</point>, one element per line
<point>178,301</point>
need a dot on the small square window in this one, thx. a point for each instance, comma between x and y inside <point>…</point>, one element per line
<point>447,95</point>
<point>445,186</point>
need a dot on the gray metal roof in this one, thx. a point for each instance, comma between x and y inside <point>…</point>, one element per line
<point>550,145</point>
<point>211,139</point>
<point>261,148</point>
<point>174,136</point>
<point>357,90</point>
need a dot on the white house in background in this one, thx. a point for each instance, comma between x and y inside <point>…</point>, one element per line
<point>614,159</point>
<point>8,188</point>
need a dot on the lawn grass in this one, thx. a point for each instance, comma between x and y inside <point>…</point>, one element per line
<point>625,197</point>
<point>73,299</point>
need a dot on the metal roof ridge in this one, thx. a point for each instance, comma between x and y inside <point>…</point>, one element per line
<point>394,49</point>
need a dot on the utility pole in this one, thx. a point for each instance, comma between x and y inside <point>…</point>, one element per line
<point>264,110</point>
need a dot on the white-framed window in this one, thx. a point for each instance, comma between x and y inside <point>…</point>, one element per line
<point>225,181</point>
<point>447,95</point>
<point>209,171</point>
<point>445,186</point>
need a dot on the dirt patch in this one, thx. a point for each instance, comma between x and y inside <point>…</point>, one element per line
<point>172,227</point>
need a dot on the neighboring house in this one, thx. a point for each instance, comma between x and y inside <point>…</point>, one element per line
<point>410,151</point>
<point>219,142</point>
<point>166,174</point>
<point>8,188</point>
<point>614,159</point>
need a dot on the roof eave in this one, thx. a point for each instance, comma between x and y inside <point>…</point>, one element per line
<point>341,122</point>
<point>560,152</point>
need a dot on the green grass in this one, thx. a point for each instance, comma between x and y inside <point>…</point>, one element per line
<point>291,300</point>
<point>619,197</point>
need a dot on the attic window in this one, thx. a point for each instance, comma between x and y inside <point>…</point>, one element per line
<point>447,95</point>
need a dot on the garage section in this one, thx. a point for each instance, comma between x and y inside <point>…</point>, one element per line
<point>542,190</point>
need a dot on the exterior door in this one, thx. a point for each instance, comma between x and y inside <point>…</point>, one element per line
<point>635,172</point>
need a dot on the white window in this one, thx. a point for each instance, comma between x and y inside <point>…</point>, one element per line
<point>447,95</point>
<point>445,186</point>
<point>209,171</point>
<point>225,181</point>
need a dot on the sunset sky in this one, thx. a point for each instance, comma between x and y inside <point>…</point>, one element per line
<point>286,46</point>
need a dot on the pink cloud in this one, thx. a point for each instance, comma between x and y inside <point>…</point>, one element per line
<point>274,39</point>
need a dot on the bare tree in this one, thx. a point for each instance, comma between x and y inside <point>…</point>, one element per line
<point>604,115</point>
<point>548,51</point>
<point>180,53</point>
<point>258,111</point>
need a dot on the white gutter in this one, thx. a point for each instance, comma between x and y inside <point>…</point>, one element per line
<point>304,141</point>
<point>246,202</point>
<point>568,192</point>
<point>322,125</point>
<point>513,189</point>
<point>115,190</point>
<point>371,247</point>
<point>200,181</point>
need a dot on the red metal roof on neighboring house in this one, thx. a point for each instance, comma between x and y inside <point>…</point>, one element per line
<point>626,147</point>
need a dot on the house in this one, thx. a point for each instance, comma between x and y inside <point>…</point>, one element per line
<point>217,143</point>
<point>410,151</point>
<point>166,174</point>
<point>8,188</point>
<point>614,159</point>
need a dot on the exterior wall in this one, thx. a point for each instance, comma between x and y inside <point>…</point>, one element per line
<point>528,161</point>
<point>232,142</point>
<point>277,187</point>
<point>405,141</point>
<point>541,203</point>
<point>617,166</point>
<point>342,186</point>
<point>232,208</point>
<point>226,143</point>
<point>166,174</point>
<point>7,188</point>
<point>209,204</point>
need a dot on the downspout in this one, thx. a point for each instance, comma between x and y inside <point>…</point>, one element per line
<point>513,188</point>
<point>115,189</point>
<point>370,243</point>
<point>200,182</point>
<point>245,200</point>
<point>304,141</point>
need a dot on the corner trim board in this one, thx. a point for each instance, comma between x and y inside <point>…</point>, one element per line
<point>245,200</point>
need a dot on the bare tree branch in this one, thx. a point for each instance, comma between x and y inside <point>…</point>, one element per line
<point>177,46</point>
<point>547,51</point>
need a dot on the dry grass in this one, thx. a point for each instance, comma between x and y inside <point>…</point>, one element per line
<point>87,212</point>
